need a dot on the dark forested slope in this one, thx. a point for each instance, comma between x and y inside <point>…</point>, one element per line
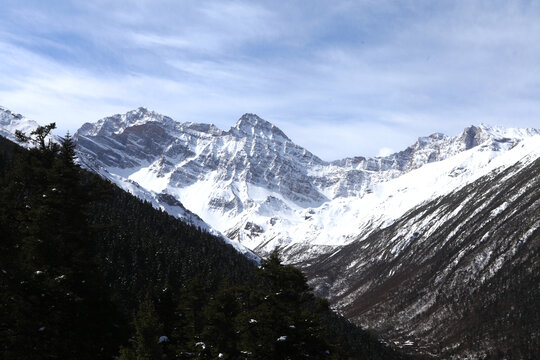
<point>87,271</point>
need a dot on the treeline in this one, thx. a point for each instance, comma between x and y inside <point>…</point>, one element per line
<point>87,271</point>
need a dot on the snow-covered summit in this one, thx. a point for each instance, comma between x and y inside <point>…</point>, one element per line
<point>476,135</point>
<point>253,125</point>
<point>437,147</point>
<point>116,124</point>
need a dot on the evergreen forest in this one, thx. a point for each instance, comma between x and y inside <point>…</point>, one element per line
<point>87,271</point>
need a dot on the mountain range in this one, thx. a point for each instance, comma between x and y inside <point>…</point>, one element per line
<point>411,245</point>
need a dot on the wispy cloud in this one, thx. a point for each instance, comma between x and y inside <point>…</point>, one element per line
<point>343,79</point>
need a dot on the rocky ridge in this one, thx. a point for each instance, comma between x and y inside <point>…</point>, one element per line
<point>256,186</point>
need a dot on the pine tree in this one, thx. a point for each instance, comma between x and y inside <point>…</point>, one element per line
<point>221,334</point>
<point>38,138</point>
<point>190,321</point>
<point>149,339</point>
<point>285,317</point>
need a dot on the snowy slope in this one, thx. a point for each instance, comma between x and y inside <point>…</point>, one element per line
<point>10,122</point>
<point>253,184</point>
<point>172,206</point>
<point>341,220</point>
<point>456,276</point>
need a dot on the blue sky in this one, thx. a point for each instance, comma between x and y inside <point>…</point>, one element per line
<point>342,78</point>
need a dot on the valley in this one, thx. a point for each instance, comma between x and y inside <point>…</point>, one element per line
<point>435,248</point>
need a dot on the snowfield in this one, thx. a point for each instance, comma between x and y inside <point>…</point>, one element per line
<point>252,184</point>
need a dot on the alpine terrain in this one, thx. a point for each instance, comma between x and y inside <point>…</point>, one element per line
<point>253,184</point>
<point>88,271</point>
<point>436,247</point>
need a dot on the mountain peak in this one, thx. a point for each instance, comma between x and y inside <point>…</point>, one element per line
<point>116,124</point>
<point>252,118</point>
<point>143,112</point>
<point>253,125</point>
<point>475,135</point>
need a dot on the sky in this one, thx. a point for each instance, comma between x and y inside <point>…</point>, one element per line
<point>341,78</point>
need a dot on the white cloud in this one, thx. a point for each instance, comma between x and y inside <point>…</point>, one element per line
<point>347,78</point>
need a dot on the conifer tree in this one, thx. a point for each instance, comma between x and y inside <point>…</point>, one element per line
<point>221,335</point>
<point>149,338</point>
<point>285,319</point>
<point>190,320</point>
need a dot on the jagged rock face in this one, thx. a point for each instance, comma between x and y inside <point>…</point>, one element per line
<point>253,151</point>
<point>456,277</point>
<point>253,173</point>
<point>126,141</point>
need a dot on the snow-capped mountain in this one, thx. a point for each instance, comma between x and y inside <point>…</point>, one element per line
<point>455,277</point>
<point>436,247</point>
<point>11,122</point>
<point>255,185</point>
